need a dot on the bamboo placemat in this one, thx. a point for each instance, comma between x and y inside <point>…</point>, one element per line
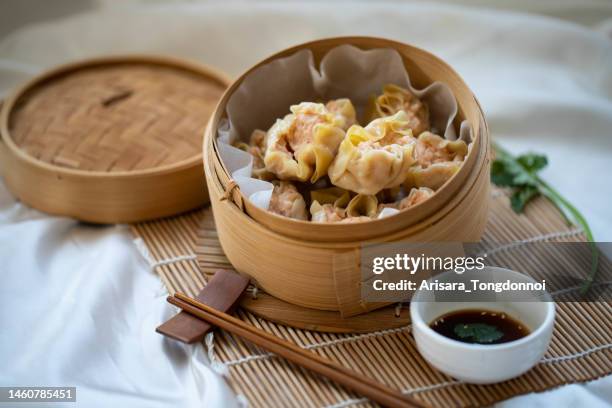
<point>581,349</point>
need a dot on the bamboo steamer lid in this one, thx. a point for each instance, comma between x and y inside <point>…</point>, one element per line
<point>110,140</point>
<point>317,266</point>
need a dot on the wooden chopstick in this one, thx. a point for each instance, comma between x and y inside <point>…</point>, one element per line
<point>367,387</point>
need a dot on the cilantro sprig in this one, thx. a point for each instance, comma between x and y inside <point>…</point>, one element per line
<point>520,173</point>
<point>478,332</point>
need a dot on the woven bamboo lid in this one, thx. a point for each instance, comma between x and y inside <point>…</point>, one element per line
<point>110,140</point>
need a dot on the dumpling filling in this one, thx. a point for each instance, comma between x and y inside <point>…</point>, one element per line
<point>416,196</point>
<point>437,161</point>
<point>329,204</point>
<point>326,212</point>
<point>431,149</point>
<point>286,200</point>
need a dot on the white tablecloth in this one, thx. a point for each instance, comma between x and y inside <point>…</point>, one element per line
<point>79,305</point>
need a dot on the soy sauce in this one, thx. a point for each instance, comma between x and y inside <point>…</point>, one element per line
<point>479,326</point>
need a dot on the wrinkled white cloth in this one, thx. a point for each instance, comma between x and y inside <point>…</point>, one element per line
<point>80,307</point>
<point>79,304</point>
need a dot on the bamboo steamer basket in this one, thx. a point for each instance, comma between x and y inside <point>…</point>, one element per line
<point>110,140</point>
<point>317,265</point>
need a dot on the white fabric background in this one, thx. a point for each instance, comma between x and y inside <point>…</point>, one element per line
<point>79,305</point>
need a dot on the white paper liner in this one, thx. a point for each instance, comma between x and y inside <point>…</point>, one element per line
<point>345,72</point>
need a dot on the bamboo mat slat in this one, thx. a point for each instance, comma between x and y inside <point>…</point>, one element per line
<point>581,349</point>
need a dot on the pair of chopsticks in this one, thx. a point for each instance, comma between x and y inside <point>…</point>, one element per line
<point>367,387</point>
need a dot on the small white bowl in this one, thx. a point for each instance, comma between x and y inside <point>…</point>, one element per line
<point>477,363</point>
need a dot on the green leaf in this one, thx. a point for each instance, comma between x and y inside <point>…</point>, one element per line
<point>500,174</point>
<point>508,172</point>
<point>478,332</point>
<point>532,162</point>
<point>521,173</point>
<point>522,196</point>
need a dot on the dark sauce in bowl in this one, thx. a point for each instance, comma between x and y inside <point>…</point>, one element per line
<point>479,326</point>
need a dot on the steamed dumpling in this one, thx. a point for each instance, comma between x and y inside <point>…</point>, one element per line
<point>376,157</point>
<point>302,144</point>
<point>326,212</point>
<point>416,196</point>
<point>362,206</point>
<point>329,204</point>
<point>359,208</point>
<point>437,160</point>
<point>286,200</point>
<point>394,99</point>
<point>337,196</point>
<point>434,176</point>
<point>257,147</point>
<point>431,148</point>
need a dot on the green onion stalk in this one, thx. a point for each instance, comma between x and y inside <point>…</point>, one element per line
<point>570,213</point>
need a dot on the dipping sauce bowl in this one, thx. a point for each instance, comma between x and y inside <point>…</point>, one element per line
<point>483,363</point>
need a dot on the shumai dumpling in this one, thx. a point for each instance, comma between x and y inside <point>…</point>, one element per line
<point>376,157</point>
<point>362,205</point>
<point>326,212</point>
<point>394,99</point>
<point>329,213</point>
<point>286,200</point>
<point>416,196</point>
<point>437,160</point>
<point>331,195</point>
<point>257,147</point>
<point>359,208</point>
<point>329,204</point>
<point>431,149</point>
<point>302,144</point>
